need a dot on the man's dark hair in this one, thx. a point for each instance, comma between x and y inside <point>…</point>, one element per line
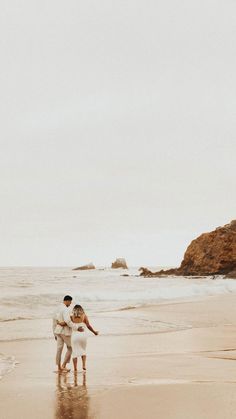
<point>67,298</point>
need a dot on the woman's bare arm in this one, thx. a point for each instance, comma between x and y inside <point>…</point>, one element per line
<point>86,321</point>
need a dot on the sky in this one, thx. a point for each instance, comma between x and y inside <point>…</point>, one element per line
<point>118,127</point>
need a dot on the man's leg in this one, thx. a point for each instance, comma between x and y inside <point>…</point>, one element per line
<point>67,341</point>
<point>60,344</point>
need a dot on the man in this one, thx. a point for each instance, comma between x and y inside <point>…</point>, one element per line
<point>63,333</point>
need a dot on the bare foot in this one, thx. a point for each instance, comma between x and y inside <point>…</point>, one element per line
<point>65,370</point>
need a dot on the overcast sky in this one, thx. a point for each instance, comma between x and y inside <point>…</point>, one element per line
<point>118,128</point>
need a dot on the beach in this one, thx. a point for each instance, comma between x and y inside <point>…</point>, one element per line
<point>189,372</point>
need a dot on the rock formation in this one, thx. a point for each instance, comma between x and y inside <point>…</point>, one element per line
<point>231,274</point>
<point>119,263</point>
<point>148,274</point>
<point>85,267</point>
<point>211,253</point>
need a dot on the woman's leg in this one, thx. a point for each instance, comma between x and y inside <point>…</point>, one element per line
<point>75,364</point>
<point>84,362</point>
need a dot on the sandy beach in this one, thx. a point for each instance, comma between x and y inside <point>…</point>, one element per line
<point>186,373</point>
<point>117,194</point>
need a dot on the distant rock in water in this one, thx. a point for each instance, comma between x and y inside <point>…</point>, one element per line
<point>85,267</point>
<point>211,253</point>
<point>119,263</point>
<point>148,274</point>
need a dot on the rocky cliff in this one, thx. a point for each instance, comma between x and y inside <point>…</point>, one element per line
<point>211,253</point>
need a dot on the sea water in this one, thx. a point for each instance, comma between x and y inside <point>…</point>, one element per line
<point>29,297</point>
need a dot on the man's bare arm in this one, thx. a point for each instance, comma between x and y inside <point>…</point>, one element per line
<point>68,322</point>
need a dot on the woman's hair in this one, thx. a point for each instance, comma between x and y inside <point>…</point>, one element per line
<point>78,310</point>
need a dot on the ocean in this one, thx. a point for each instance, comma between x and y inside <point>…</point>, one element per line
<point>29,297</point>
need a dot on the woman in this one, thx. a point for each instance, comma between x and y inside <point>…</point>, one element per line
<point>79,338</point>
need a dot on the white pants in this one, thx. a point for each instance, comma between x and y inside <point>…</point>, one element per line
<point>61,340</point>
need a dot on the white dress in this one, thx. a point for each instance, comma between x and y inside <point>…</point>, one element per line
<point>79,341</point>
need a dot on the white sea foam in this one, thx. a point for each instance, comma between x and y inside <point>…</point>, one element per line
<point>7,363</point>
<point>162,289</point>
<point>105,294</point>
<point>97,291</point>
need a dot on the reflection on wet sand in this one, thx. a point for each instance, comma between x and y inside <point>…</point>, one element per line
<point>72,401</point>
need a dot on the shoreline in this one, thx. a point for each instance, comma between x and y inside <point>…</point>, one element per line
<point>140,373</point>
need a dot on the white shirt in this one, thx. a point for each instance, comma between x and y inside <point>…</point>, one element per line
<point>62,314</point>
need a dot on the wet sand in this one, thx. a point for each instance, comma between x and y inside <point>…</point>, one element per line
<point>177,374</point>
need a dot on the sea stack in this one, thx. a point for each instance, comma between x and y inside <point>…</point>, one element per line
<point>85,267</point>
<point>119,263</point>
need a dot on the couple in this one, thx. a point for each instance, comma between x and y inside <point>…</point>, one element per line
<point>71,329</point>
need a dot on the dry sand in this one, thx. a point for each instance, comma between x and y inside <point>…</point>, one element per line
<point>190,373</point>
